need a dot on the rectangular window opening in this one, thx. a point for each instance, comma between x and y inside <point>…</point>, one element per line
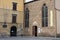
<point>14,6</point>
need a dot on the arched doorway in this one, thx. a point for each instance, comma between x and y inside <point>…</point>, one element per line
<point>34,31</point>
<point>13,31</point>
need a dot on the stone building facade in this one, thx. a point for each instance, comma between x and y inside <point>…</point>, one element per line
<point>34,18</point>
<point>11,17</point>
<point>42,18</point>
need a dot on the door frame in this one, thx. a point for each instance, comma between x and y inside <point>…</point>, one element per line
<point>14,29</point>
<point>34,31</point>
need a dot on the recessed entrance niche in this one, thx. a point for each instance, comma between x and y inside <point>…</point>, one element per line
<point>13,31</point>
<point>34,31</point>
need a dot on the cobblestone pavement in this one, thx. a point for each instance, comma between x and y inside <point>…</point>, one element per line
<point>30,38</point>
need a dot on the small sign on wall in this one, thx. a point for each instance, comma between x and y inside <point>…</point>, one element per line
<point>39,30</point>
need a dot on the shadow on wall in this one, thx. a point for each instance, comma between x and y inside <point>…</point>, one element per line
<point>58,36</point>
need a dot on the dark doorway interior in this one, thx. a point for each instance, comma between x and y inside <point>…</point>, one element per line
<point>13,31</point>
<point>35,31</point>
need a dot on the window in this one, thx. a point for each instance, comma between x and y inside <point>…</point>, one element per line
<point>27,17</point>
<point>14,18</point>
<point>4,25</point>
<point>14,6</point>
<point>44,15</point>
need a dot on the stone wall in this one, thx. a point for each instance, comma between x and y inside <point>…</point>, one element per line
<point>35,17</point>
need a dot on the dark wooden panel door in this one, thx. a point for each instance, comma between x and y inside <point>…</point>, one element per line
<point>13,31</point>
<point>34,31</point>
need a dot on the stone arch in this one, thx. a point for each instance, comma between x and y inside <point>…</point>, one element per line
<point>13,31</point>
